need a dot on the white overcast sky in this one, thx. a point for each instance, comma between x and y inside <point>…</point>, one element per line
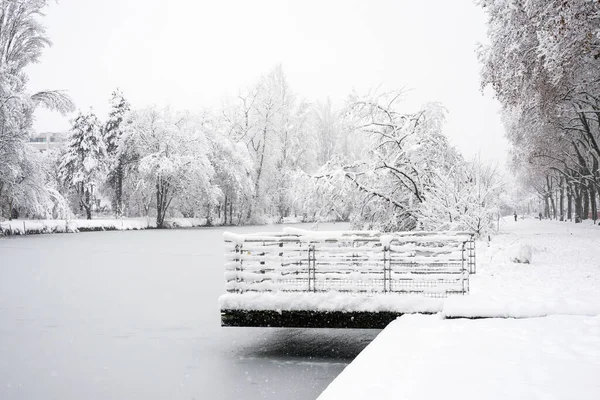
<point>194,53</point>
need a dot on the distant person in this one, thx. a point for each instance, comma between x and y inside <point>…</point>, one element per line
<point>515,216</point>
<point>540,216</point>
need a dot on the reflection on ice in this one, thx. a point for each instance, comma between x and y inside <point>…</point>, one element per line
<point>315,345</point>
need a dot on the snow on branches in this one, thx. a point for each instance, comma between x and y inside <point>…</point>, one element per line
<point>172,156</point>
<point>409,176</point>
<point>83,165</point>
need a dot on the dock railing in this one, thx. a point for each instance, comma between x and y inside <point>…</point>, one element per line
<point>433,264</point>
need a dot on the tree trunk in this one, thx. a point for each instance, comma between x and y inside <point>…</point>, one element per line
<point>225,211</point>
<point>593,208</point>
<point>208,216</point>
<point>87,204</point>
<point>562,198</point>
<point>231,212</point>
<point>585,199</point>
<point>119,190</point>
<point>578,205</point>
<point>553,206</point>
<point>159,217</point>
<point>259,170</point>
<point>162,202</point>
<point>546,207</point>
<point>569,203</point>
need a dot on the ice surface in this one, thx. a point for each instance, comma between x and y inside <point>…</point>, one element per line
<point>134,315</point>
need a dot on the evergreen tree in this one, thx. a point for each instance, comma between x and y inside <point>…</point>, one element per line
<point>112,133</point>
<point>83,165</point>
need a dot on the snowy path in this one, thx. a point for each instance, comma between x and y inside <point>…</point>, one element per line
<point>564,277</point>
<point>134,315</point>
<point>549,357</point>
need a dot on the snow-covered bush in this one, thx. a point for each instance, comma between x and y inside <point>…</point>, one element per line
<point>521,253</point>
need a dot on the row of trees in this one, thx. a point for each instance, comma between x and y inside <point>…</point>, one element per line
<point>266,154</point>
<point>150,159</point>
<point>543,62</point>
<point>270,157</point>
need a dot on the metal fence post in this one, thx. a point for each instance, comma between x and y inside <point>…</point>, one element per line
<point>314,267</point>
<point>387,270</point>
<point>466,270</point>
<point>308,266</point>
<point>473,255</point>
<point>238,278</point>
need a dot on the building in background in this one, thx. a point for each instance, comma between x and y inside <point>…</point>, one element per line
<point>46,140</point>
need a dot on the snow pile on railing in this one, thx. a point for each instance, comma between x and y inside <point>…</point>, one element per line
<point>434,264</point>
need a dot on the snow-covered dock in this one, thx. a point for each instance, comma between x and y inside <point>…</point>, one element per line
<point>353,279</point>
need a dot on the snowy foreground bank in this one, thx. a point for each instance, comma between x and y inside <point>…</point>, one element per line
<point>550,350</point>
<point>427,357</point>
<point>28,227</point>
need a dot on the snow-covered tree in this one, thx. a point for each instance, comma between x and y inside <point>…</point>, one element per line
<point>22,40</point>
<point>233,168</point>
<point>171,156</point>
<point>83,167</point>
<point>409,177</point>
<point>113,130</point>
<point>272,123</point>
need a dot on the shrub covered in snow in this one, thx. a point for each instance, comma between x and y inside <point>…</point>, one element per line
<point>521,253</point>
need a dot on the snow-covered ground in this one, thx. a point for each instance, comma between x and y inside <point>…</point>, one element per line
<point>25,226</point>
<point>134,315</point>
<point>552,351</point>
<point>562,278</point>
<point>427,357</point>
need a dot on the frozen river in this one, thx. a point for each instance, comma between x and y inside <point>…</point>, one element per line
<point>134,315</point>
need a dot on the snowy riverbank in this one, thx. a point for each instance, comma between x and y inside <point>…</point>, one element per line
<point>28,227</point>
<point>427,357</point>
<point>551,351</point>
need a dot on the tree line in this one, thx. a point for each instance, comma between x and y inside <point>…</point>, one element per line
<point>543,63</point>
<point>266,154</point>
